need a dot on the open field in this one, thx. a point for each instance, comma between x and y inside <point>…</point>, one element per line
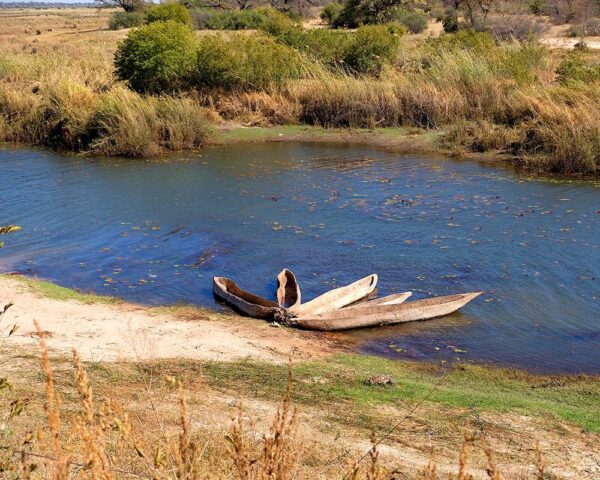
<point>505,410</point>
<point>57,89</point>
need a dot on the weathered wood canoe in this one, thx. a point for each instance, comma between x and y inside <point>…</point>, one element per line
<point>246,302</point>
<point>370,316</point>
<point>336,298</point>
<point>393,299</point>
<point>288,289</point>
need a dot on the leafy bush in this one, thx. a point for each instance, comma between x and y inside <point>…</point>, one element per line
<point>232,19</point>
<point>415,22</point>
<point>331,12</point>
<point>462,40</point>
<point>168,11</point>
<point>372,48</point>
<point>245,62</point>
<point>450,23</point>
<point>122,19</point>
<point>366,12</point>
<point>574,69</point>
<point>156,57</point>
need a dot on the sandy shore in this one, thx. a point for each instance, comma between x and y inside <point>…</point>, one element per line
<point>122,331</point>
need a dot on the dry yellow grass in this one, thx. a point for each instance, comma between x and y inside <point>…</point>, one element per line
<point>115,438</point>
<point>57,89</point>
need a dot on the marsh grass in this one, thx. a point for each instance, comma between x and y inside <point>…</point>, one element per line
<point>519,100</point>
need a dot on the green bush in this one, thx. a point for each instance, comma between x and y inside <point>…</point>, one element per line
<point>415,22</point>
<point>331,12</point>
<point>245,62</point>
<point>168,11</point>
<point>573,68</point>
<point>122,19</point>
<point>157,57</point>
<point>372,48</point>
<point>450,23</point>
<point>211,19</point>
<point>366,12</point>
<point>462,40</point>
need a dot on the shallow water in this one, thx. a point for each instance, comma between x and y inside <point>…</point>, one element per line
<point>157,231</point>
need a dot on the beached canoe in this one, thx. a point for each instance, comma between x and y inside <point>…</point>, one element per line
<point>336,298</point>
<point>370,316</point>
<point>288,289</point>
<point>393,299</point>
<point>246,302</point>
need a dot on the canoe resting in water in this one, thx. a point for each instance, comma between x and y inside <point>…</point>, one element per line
<point>246,302</point>
<point>393,299</point>
<point>288,289</point>
<point>375,315</point>
<point>337,298</point>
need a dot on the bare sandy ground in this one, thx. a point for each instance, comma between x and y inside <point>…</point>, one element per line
<point>106,332</point>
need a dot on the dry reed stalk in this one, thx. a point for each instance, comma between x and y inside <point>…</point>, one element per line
<point>186,455</point>
<point>431,471</point>
<point>540,462</point>
<point>492,469</point>
<point>88,429</point>
<point>463,460</point>
<point>63,460</point>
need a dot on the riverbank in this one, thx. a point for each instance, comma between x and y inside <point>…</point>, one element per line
<point>224,359</point>
<point>524,103</point>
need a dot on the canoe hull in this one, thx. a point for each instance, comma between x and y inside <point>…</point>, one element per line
<point>245,302</point>
<point>288,290</point>
<point>376,315</point>
<point>337,298</point>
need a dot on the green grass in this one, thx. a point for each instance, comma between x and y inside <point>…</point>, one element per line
<point>56,292</point>
<point>341,379</point>
<point>401,138</point>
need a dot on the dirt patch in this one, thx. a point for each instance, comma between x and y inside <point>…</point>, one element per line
<point>102,332</point>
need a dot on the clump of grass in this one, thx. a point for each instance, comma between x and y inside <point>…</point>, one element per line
<point>56,292</point>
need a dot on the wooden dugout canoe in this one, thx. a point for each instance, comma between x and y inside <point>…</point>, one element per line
<point>246,302</point>
<point>394,299</point>
<point>288,290</point>
<point>336,298</point>
<point>370,316</point>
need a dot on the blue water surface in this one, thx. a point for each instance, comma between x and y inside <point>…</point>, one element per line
<point>157,231</point>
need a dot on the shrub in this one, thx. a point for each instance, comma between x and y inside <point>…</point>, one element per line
<point>245,62</point>
<point>415,22</point>
<point>574,69</point>
<point>450,23</point>
<point>157,57</point>
<point>462,40</point>
<point>281,26</point>
<point>331,12</point>
<point>231,19</point>
<point>122,19</point>
<point>372,48</point>
<point>366,12</point>
<point>168,11</point>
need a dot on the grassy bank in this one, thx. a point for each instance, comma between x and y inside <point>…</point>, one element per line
<point>462,93</point>
<point>145,418</point>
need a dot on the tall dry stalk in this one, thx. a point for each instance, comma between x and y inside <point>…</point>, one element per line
<point>88,429</point>
<point>62,459</point>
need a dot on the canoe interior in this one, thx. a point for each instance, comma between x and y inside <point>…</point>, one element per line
<point>231,287</point>
<point>288,290</point>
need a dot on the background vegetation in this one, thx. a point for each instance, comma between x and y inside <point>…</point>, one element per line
<point>486,83</point>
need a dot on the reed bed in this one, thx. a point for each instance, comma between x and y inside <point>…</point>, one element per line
<point>502,98</point>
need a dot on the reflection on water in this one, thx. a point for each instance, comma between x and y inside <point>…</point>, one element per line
<point>157,231</point>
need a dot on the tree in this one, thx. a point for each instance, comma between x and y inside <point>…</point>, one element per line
<point>127,5</point>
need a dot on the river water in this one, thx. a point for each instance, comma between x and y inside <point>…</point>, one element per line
<point>157,231</point>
